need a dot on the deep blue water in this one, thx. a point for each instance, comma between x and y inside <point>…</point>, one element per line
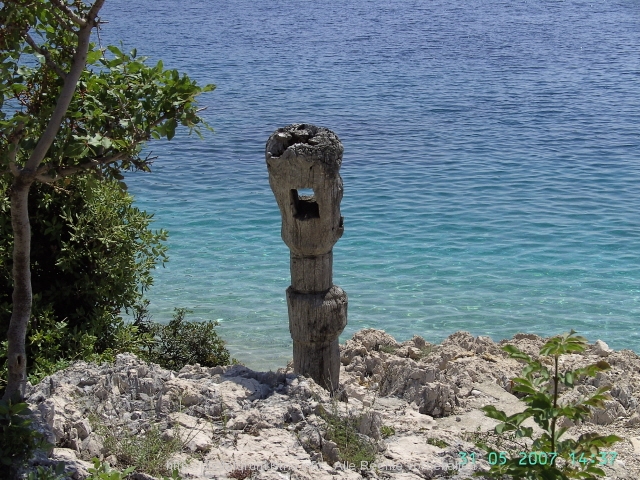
<point>491,166</point>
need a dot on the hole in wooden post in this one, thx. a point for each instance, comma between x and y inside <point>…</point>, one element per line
<point>304,204</point>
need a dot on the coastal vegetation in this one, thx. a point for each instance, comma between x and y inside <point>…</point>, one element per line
<point>549,455</point>
<point>18,440</point>
<point>91,258</point>
<point>70,106</point>
<point>75,253</point>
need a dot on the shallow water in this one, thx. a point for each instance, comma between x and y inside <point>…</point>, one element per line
<point>491,164</point>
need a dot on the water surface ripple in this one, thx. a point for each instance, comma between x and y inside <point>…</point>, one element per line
<point>491,164</point>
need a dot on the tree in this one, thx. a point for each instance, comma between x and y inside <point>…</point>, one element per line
<point>91,257</point>
<point>68,107</point>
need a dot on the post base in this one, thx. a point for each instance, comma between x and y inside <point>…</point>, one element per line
<point>318,361</point>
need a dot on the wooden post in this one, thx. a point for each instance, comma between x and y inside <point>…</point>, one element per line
<point>303,156</point>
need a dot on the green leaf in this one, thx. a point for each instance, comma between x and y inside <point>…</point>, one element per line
<point>115,50</point>
<point>94,56</point>
<point>568,379</point>
<point>171,125</point>
<point>523,385</point>
<point>491,412</point>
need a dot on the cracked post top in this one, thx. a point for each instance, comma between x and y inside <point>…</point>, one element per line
<point>303,140</point>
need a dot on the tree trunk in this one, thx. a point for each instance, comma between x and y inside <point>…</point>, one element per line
<point>21,311</point>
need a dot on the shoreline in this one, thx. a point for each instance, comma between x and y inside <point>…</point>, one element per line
<point>279,360</point>
<point>417,403</point>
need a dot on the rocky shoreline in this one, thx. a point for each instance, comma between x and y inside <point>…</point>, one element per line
<point>414,405</point>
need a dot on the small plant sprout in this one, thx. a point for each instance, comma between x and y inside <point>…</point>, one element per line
<point>436,442</point>
<point>387,431</point>
<point>549,456</point>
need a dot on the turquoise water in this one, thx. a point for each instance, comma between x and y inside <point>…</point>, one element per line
<point>491,167</point>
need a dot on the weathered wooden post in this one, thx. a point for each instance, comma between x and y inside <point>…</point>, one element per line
<point>303,156</point>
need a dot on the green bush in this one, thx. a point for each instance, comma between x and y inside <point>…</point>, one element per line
<point>343,430</point>
<point>564,458</point>
<point>181,342</point>
<point>102,471</point>
<point>92,254</point>
<point>148,452</point>
<point>18,440</point>
<point>48,473</point>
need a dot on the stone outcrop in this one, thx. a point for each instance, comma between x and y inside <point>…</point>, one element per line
<point>416,404</point>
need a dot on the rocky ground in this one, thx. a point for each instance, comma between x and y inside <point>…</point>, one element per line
<point>412,409</point>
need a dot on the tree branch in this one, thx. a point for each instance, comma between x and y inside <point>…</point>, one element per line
<point>64,8</point>
<point>147,132</point>
<point>91,16</point>
<point>68,89</point>
<point>65,172</point>
<point>63,23</point>
<point>14,142</point>
<point>46,55</point>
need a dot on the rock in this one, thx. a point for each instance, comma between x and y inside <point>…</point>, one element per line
<point>310,438</point>
<point>65,453</point>
<point>47,410</point>
<point>92,446</point>
<point>141,476</point>
<point>197,441</point>
<point>601,349</point>
<point>372,339</point>
<point>633,421</point>
<point>438,400</point>
<point>182,392</point>
<point>58,429</point>
<point>75,468</point>
<point>294,414</point>
<point>232,416</point>
<point>418,342</point>
<point>330,452</point>
<point>610,413</point>
<point>370,424</point>
<point>83,428</point>
<point>414,353</point>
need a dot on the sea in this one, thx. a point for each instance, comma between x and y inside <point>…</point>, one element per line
<point>491,163</point>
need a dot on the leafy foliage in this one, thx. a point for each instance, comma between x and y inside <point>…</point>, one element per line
<point>119,103</point>
<point>18,440</point>
<point>92,256</point>
<point>181,342</point>
<point>68,105</point>
<point>103,471</point>
<point>387,431</point>
<point>148,453</point>
<point>48,473</point>
<point>542,395</point>
<point>343,430</point>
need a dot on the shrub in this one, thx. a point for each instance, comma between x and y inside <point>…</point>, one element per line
<point>342,429</point>
<point>183,343</point>
<point>147,452</point>
<point>18,440</point>
<point>92,254</point>
<point>565,458</point>
<point>48,473</point>
<point>103,471</point>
